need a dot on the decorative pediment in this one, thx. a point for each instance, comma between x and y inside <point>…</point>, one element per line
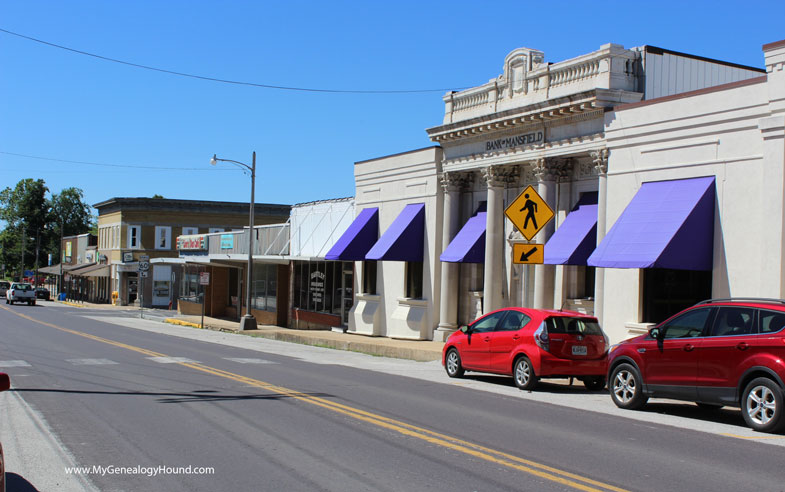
<point>516,65</point>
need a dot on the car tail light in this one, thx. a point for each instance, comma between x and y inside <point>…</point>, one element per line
<point>541,337</point>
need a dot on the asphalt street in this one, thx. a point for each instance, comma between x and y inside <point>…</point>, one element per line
<point>135,396</point>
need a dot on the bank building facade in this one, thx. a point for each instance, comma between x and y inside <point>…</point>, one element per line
<point>433,248</point>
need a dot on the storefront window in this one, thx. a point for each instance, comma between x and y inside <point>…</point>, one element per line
<point>263,295</point>
<point>319,286</point>
<point>189,285</point>
<point>369,277</point>
<point>666,292</point>
<point>414,279</point>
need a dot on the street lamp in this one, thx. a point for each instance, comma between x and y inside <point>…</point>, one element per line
<point>247,322</point>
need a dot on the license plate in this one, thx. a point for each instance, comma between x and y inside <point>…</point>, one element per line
<point>579,350</point>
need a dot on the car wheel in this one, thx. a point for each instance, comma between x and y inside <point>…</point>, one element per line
<point>708,406</point>
<point>595,383</point>
<point>626,387</point>
<point>452,364</point>
<point>761,405</point>
<point>523,373</point>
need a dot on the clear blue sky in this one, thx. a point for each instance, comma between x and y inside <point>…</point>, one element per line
<point>58,104</point>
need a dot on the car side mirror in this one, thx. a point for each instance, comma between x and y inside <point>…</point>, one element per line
<point>655,333</point>
<point>464,329</point>
<point>5,381</point>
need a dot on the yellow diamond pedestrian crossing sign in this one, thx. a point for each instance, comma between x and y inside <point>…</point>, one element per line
<point>529,212</point>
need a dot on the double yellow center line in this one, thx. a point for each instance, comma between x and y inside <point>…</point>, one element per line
<point>500,458</point>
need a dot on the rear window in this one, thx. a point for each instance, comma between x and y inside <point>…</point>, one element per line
<point>22,287</point>
<point>573,326</point>
<point>5,284</point>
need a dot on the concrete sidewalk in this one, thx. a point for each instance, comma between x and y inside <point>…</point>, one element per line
<point>419,350</point>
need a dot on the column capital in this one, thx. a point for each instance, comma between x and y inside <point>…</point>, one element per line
<point>600,159</point>
<point>452,181</point>
<point>500,176</point>
<point>546,169</point>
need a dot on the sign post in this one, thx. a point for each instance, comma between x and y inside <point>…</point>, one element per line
<point>144,269</point>
<point>204,281</point>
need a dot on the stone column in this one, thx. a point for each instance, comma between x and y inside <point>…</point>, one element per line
<point>600,159</point>
<point>452,185</point>
<point>496,177</point>
<point>543,274</point>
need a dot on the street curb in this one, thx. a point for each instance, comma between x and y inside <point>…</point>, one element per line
<point>69,303</point>
<point>179,322</point>
<point>360,346</point>
<point>351,346</point>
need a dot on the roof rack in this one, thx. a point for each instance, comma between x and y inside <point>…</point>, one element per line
<point>743,299</point>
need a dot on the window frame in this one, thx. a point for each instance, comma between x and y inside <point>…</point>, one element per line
<point>131,236</point>
<point>167,237</point>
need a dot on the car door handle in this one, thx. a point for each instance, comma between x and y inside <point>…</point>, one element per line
<point>689,347</point>
<point>487,339</point>
<point>641,350</point>
<point>742,346</point>
<point>516,337</point>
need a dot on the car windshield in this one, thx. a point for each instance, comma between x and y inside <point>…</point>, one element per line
<point>573,326</point>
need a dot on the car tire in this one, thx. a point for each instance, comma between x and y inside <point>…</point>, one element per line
<point>626,387</point>
<point>452,364</point>
<point>762,405</point>
<point>523,374</point>
<point>594,383</point>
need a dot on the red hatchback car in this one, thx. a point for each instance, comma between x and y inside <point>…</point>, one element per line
<point>530,344</point>
<point>5,383</point>
<point>716,353</point>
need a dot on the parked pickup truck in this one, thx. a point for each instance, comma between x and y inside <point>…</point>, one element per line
<point>20,292</point>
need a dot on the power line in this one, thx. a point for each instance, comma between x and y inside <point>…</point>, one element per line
<point>225,81</point>
<point>123,166</point>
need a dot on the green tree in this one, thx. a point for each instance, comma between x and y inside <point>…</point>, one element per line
<point>34,221</point>
<point>24,208</point>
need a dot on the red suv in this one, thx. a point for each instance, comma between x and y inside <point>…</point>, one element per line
<point>530,344</point>
<point>716,353</point>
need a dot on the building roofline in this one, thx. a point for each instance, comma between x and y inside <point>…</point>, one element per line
<point>774,45</point>
<point>698,92</point>
<point>399,154</point>
<point>143,203</point>
<point>661,51</point>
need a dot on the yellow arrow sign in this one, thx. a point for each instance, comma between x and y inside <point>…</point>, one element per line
<point>529,212</point>
<point>528,254</point>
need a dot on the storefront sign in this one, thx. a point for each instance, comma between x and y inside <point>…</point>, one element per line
<point>192,242</point>
<point>317,287</point>
<point>204,278</point>
<point>227,241</point>
<point>128,257</point>
<point>537,137</point>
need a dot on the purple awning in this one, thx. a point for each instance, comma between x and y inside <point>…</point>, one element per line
<point>468,246</point>
<point>404,239</point>
<point>354,244</point>
<point>575,239</point>
<point>668,224</point>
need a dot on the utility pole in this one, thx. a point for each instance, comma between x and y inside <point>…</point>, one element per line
<point>37,247</point>
<point>22,275</point>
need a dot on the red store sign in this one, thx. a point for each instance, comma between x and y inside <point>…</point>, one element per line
<point>192,242</point>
